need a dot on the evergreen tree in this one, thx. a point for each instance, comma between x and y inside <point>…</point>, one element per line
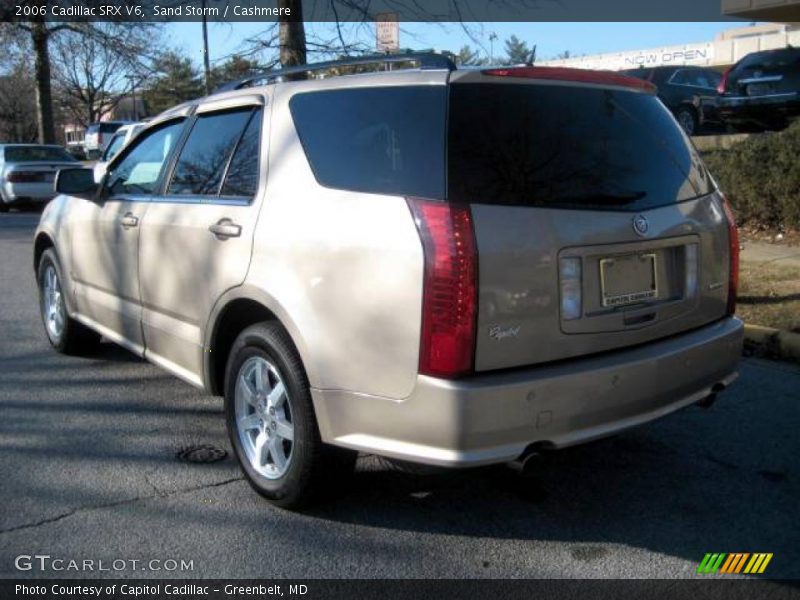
<point>177,80</point>
<point>517,51</point>
<point>233,69</point>
<point>466,56</point>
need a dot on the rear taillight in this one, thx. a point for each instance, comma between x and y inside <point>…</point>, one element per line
<point>574,76</point>
<point>733,272</point>
<point>449,297</point>
<point>24,177</point>
<point>723,83</point>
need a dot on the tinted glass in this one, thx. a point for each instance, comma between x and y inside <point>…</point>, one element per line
<point>680,77</point>
<point>554,146</point>
<point>382,140</point>
<point>242,177</point>
<point>36,154</point>
<point>113,147</point>
<point>705,79</point>
<point>205,155</point>
<point>139,170</point>
<point>772,59</point>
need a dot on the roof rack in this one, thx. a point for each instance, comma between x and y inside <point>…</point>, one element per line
<point>425,60</point>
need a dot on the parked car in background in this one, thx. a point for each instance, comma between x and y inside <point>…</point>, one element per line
<point>689,92</point>
<point>327,254</point>
<point>27,172</point>
<point>121,137</point>
<point>98,135</point>
<point>762,90</point>
<point>76,151</point>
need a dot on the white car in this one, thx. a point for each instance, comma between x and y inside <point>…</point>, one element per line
<point>98,136</point>
<point>27,172</point>
<point>121,137</point>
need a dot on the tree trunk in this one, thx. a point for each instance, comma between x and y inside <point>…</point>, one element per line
<point>44,98</point>
<point>292,34</point>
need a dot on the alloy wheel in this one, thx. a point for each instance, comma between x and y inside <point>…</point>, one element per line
<point>264,417</point>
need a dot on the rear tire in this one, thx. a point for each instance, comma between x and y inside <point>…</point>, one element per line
<point>64,333</point>
<point>271,422</point>
<point>687,118</point>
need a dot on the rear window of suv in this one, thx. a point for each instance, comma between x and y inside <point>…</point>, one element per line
<point>379,140</point>
<point>36,154</point>
<point>567,147</point>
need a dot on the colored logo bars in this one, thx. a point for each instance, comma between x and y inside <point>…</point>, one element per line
<point>735,563</point>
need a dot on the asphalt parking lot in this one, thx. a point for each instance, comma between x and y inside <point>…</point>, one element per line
<point>90,469</point>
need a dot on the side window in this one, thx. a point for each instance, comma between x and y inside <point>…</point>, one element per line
<point>376,140</point>
<point>204,157</point>
<point>113,147</point>
<point>242,177</point>
<point>139,170</point>
<point>706,79</point>
<point>679,78</point>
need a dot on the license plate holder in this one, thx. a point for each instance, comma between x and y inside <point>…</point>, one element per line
<point>628,279</point>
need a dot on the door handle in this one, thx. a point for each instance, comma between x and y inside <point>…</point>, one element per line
<point>225,228</point>
<point>129,220</point>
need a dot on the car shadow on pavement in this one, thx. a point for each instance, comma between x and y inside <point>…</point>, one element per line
<point>694,483</point>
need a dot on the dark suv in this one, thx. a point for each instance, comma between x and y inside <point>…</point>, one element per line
<point>762,90</point>
<point>689,92</point>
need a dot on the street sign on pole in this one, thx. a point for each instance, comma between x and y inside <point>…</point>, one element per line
<point>387,32</point>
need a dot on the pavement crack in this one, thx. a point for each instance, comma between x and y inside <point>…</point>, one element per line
<point>90,507</point>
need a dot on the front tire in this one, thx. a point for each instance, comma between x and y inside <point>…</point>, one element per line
<point>271,422</point>
<point>65,334</point>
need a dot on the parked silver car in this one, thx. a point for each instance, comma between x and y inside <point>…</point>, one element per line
<point>27,173</point>
<point>441,266</point>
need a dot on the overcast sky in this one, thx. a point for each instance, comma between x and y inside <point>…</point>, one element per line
<point>550,38</point>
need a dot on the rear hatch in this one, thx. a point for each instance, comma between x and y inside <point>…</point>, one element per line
<point>597,226</point>
<point>769,73</point>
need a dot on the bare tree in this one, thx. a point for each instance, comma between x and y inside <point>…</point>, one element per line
<point>17,114</point>
<point>294,42</point>
<point>38,33</point>
<point>92,75</point>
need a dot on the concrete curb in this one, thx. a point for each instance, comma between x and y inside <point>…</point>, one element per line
<point>774,342</point>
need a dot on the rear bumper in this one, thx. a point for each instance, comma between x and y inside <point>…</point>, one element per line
<point>28,192</point>
<point>493,418</point>
<point>741,109</point>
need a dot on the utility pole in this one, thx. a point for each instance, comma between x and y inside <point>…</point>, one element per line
<point>492,38</point>
<point>206,59</point>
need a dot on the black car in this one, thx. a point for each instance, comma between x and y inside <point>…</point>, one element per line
<point>762,90</point>
<point>689,92</point>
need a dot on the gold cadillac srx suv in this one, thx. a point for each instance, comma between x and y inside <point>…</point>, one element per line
<point>442,266</point>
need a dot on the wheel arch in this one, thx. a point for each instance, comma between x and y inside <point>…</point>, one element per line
<point>42,242</point>
<point>233,313</point>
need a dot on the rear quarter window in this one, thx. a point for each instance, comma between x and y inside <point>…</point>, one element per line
<point>567,147</point>
<point>387,140</point>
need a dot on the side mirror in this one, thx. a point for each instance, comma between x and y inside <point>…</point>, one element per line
<point>77,182</point>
